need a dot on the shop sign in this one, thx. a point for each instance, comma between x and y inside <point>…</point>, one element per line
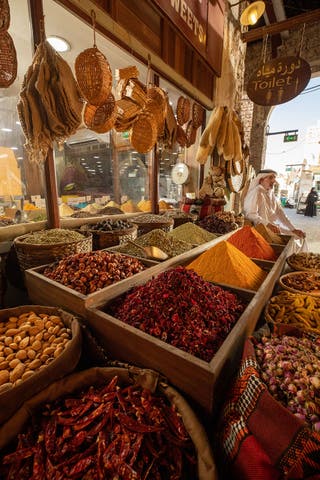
<point>278,80</point>
<point>191,17</point>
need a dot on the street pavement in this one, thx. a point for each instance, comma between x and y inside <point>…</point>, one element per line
<point>310,225</point>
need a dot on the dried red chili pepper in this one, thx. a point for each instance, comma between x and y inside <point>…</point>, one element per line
<point>125,435</point>
<point>181,308</point>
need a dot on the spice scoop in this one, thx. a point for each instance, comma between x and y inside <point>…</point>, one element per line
<point>152,252</point>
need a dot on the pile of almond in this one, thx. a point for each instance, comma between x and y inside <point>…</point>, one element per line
<point>29,343</point>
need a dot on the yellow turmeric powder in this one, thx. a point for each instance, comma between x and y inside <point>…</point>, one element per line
<point>252,244</point>
<point>224,263</point>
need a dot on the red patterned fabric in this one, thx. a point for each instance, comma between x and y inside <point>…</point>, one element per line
<point>259,438</point>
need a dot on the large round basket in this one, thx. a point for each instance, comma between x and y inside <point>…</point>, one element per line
<point>307,282</point>
<point>104,239</point>
<point>304,261</point>
<point>34,254</point>
<point>144,226</point>
<point>94,76</point>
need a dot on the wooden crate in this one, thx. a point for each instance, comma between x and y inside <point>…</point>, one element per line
<point>43,290</point>
<point>204,382</point>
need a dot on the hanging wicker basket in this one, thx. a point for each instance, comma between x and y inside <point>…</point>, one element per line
<point>94,76</point>
<point>144,133</point>
<point>191,134</point>
<point>181,137</point>
<point>8,60</point>
<point>197,115</point>
<point>101,119</point>
<point>4,15</point>
<point>127,73</point>
<point>183,110</point>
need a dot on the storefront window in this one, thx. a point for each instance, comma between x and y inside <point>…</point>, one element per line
<point>21,183</point>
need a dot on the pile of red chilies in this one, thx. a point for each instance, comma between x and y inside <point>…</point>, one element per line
<point>104,433</point>
<point>181,308</point>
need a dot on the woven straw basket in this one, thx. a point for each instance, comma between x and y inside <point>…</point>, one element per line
<point>307,274</point>
<point>144,227</point>
<point>144,133</point>
<point>4,15</point>
<point>8,60</point>
<point>183,110</point>
<point>127,72</point>
<point>304,261</point>
<point>181,137</point>
<point>191,134</point>
<point>103,239</point>
<point>197,115</point>
<point>101,119</point>
<point>94,76</point>
<point>33,255</point>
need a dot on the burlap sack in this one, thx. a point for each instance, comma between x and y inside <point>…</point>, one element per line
<point>97,376</point>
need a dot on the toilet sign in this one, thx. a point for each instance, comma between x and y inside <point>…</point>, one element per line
<point>278,80</point>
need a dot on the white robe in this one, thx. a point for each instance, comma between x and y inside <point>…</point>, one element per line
<point>262,206</point>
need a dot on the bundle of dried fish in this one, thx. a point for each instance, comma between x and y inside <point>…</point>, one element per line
<point>50,104</point>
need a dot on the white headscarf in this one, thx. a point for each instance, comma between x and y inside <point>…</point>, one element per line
<point>247,203</point>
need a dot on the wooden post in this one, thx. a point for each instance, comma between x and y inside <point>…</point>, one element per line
<point>154,167</point>
<point>53,219</point>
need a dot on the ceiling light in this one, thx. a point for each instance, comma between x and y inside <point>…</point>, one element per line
<point>59,44</point>
<point>252,13</point>
<point>6,129</point>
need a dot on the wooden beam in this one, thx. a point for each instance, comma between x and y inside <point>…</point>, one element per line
<point>53,218</point>
<point>275,28</point>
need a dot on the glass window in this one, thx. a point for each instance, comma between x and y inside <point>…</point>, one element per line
<point>21,183</point>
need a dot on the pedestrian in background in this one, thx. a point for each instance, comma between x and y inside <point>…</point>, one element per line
<point>311,207</point>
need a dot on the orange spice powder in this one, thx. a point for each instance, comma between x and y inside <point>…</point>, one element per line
<point>252,244</point>
<point>224,263</point>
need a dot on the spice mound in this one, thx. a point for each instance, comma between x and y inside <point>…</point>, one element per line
<point>130,207</point>
<point>224,263</point>
<point>105,432</point>
<point>110,211</point>
<point>182,309</point>
<point>28,343</point>
<point>89,272</point>
<point>290,368</point>
<point>252,244</point>
<point>268,234</point>
<point>156,238</point>
<point>214,224</point>
<point>304,261</point>
<point>109,225</point>
<point>189,232</point>
<point>297,310</point>
<point>52,236</point>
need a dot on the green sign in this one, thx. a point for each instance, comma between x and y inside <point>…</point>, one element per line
<point>290,137</point>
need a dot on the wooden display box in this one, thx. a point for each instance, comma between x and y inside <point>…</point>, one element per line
<point>205,383</point>
<point>44,291</point>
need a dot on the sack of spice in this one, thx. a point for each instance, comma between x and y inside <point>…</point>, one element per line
<point>269,427</point>
<point>107,423</point>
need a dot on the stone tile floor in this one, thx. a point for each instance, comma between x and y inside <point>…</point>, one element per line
<point>311,225</point>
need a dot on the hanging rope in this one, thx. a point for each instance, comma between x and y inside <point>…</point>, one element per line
<point>301,39</point>
<point>264,48</point>
<point>42,30</point>
<point>93,19</point>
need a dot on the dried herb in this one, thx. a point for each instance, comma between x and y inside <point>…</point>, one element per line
<point>52,236</point>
